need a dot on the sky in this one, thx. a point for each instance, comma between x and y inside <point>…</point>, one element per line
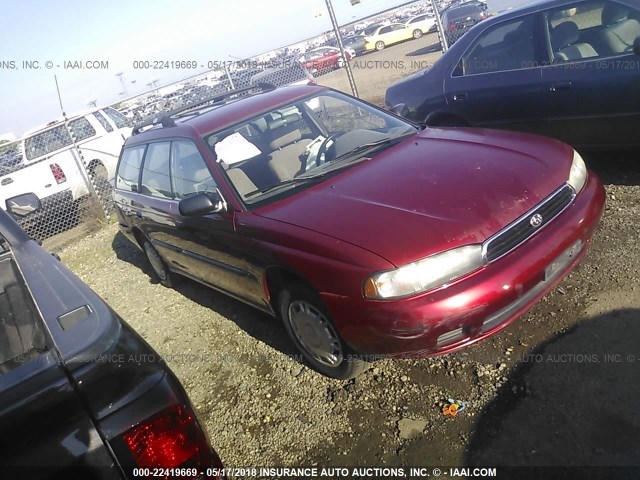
<point>119,32</point>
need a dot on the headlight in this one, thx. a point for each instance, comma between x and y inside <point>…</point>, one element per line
<point>424,274</point>
<point>578,172</point>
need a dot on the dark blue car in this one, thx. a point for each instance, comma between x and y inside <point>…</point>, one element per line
<point>565,69</point>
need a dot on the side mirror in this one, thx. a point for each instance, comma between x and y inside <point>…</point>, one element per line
<point>636,46</point>
<point>201,204</point>
<point>23,205</point>
<point>400,109</point>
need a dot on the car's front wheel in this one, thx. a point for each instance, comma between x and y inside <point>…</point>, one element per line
<point>309,325</point>
<point>380,45</point>
<point>164,275</point>
<point>417,33</point>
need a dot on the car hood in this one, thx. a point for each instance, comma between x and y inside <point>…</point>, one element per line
<point>440,189</point>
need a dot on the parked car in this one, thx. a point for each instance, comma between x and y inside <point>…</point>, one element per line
<point>46,163</point>
<point>458,19</point>
<point>365,233</point>
<point>421,24</point>
<point>294,73</point>
<point>386,35</point>
<point>324,59</point>
<point>82,395</point>
<point>354,42</point>
<point>579,90</point>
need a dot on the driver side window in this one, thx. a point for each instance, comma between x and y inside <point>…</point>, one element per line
<point>337,115</point>
<point>189,172</point>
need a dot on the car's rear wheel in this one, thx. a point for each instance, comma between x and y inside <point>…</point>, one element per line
<point>309,325</point>
<point>162,272</point>
<point>417,33</point>
<point>380,45</point>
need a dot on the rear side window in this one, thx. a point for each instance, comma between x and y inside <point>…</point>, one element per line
<point>103,121</point>
<point>21,335</point>
<point>129,168</point>
<point>81,129</point>
<point>155,173</point>
<point>188,170</point>
<point>119,119</point>
<point>46,142</point>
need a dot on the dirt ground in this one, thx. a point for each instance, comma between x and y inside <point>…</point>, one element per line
<point>558,387</point>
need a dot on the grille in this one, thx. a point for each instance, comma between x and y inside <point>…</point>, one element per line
<point>520,230</point>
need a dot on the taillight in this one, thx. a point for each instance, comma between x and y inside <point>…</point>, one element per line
<point>58,174</point>
<point>172,438</point>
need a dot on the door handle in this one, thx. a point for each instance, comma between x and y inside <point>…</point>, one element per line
<point>556,87</point>
<point>459,96</point>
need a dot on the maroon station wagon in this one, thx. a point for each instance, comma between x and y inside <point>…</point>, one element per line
<point>367,234</point>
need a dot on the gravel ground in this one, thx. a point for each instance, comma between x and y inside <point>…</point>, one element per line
<point>262,407</point>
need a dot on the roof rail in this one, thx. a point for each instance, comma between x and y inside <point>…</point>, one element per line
<point>166,119</point>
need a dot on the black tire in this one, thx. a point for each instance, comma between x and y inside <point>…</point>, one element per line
<point>380,45</point>
<point>417,33</point>
<point>314,324</point>
<point>160,269</point>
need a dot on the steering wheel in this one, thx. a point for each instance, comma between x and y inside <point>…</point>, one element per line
<point>322,151</point>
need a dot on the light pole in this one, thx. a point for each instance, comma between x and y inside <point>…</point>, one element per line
<point>120,75</point>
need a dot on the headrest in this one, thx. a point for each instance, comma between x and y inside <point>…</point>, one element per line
<point>273,123</point>
<point>564,35</point>
<point>612,13</point>
<point>285,139</point>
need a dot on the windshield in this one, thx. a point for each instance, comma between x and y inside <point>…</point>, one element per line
<point>298,143</point>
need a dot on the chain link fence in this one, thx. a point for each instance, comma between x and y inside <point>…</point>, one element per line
<point>57,178</point>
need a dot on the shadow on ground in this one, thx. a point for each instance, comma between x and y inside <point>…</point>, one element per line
<point>615,168</point>
<point>259,325</point>
<point>571,402</point>
<point>433,48</point>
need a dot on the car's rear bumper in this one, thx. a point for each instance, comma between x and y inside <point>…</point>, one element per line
<point>478,305</point>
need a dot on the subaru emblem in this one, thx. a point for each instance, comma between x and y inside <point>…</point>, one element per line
<point>536,220</point>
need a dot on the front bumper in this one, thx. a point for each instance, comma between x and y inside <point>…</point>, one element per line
<point>478,305</point>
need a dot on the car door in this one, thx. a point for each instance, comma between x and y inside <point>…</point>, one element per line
<point>209,248</point>
<point>399,32</point>
<point>156,208</point>
<point>497,82</point>
<point>593,90</point>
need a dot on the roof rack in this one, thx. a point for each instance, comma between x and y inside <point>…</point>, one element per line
<point>167,120</point>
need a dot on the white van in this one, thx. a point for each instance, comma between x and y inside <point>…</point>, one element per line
<point>46,163</point>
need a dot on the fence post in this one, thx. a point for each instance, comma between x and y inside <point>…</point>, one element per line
<point>441,33</point>
<point>336,29</point>
<point>82,166</point>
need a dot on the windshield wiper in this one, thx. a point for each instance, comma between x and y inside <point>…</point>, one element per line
<point>291,181</point>
<point>362,148</point>
<point>368,147</point>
